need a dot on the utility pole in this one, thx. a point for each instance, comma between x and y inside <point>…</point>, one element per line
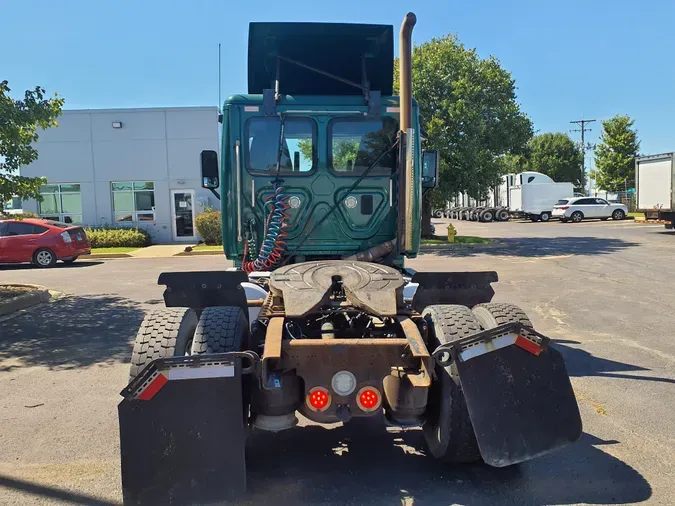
<point>582,128</point>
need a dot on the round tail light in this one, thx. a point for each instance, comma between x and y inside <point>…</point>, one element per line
<point>369,399</point>
<point>318,399</point>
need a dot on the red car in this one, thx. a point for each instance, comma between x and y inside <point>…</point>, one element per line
<point>41,242</point>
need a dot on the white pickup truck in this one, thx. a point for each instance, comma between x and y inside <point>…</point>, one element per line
<point>654,182</point>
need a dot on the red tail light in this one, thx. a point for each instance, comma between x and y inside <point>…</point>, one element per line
<point>369,399</point>
<point>564,208</point>
<point>318,399</point>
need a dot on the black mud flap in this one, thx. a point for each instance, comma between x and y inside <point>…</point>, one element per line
<point>183,431</point>
<point>202,289</point>
<point>465,288</point>
<point>517,391</point>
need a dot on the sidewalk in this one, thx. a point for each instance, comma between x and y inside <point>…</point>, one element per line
<point>158,251</point>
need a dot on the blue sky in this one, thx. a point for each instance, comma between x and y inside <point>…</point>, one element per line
<point>570,59</point>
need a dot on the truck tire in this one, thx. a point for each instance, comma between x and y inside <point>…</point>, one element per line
<point>497,313</point>
<point>448,431</point>
<point>163,333</point>
<point>438,214</point>
<point>221,329</point>
<point>545,216</point>
<point>503,215</point>
<point>487,216</point>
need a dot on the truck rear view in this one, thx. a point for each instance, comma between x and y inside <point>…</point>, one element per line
<point>654,183</point>
<point>319,316</point>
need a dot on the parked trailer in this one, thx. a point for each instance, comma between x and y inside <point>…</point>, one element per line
<point>529,195</point>
<point>536,195</point>
<point>654,185</point>
<point>483,214</point>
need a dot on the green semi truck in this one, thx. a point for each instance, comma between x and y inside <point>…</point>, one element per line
<point>320,178</point>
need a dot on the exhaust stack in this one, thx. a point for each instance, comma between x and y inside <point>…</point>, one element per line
<point>406,179</point>
<point>405,69</point>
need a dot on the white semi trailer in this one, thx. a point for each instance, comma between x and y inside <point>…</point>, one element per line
<point>654,184</point>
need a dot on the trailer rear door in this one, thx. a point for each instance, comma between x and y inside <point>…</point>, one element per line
<point>516,198</point>
<point>654,183</point>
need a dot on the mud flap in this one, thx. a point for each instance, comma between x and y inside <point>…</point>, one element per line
<point>183,432</point>
<point>517,391</point>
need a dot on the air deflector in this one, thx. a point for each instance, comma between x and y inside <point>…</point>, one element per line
<point>336,48</point>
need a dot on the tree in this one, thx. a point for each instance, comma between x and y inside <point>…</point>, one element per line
<point>557,156</point>
<point>19,123</point>
<point>468,109</point>
<point>615,156</point>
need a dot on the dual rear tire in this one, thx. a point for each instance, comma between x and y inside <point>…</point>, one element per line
<point>448,431</point>
<point>177,331</point>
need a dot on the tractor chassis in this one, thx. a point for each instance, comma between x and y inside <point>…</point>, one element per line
<point>184,419</point>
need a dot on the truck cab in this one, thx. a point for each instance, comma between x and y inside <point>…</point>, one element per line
<point>315,150</point>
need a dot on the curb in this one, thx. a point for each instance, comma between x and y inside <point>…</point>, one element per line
<point>459,245</point>
<point>198,253</point>
<point>651,222</point>
<point>108,255</point>
<point>39,295</point>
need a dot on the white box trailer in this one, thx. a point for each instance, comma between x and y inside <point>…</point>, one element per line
<point>534,195</point>
<point>654,182</point>
<point>536,201</point>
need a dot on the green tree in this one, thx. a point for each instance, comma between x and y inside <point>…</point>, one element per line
<point>615,156</point>
<point>19,124</point>
<point>557,156</point>
<point>343,151</point>
<point>469,111</point>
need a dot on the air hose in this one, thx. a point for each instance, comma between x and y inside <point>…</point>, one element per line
<point>274,244</point>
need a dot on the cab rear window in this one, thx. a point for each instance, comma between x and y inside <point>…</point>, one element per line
<point>356,143</point>
<point>298,149</point>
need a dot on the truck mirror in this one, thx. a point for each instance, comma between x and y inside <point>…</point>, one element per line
<point>210,179</point>
<point>431,161</point>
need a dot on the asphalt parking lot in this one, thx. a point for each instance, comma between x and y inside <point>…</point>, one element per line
<point>603,290</point>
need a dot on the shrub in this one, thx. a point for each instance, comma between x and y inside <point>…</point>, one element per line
<point>209,227</point>
<point>18,216</point>
<point>118,237</point>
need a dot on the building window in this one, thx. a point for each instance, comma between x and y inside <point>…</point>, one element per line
<point>134,201</point>
<point>61,202</point>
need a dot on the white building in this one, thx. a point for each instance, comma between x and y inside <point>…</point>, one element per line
<point>127,167</point>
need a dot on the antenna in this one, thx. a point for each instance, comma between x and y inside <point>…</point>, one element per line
<point>219,102</point>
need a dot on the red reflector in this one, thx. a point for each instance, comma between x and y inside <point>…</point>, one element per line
<point>154,387</point>
<point>528,345</point>
<point>318,399</point>
<point>368,399</point>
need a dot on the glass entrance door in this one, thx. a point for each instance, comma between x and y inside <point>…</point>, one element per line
<point>183,217</point>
